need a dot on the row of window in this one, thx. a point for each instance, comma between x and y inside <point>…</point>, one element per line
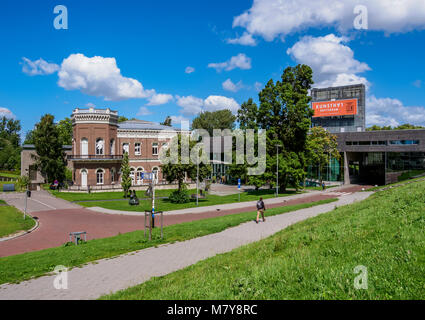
<point>382,143</point>
<point>100,147</point>
<point>137,176</point>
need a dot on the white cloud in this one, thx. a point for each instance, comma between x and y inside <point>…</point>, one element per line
<point>159,98</point>
<point>246,40</point>
<point>332,62</point>
<point>100,77</point>
<point>388,111</point>
<point>240,61</point>
<point>38,67</point>
<point>90,105</point>
<point>230,86</point>
<point>189,70</point>
<point>4,112</point>
<point>258,86</point>
<point>417,83</point>
<point>192,105</point>
<point>178,119</point>
<point>143,111</point>
<point>278,18</point>
<point>214,103</point>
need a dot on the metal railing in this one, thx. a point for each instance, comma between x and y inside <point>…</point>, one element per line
<point>95,157</point>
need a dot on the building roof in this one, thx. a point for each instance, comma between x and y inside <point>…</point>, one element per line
<point>143,125</point>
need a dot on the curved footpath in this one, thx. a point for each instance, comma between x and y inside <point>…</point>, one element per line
<point>110,275</point>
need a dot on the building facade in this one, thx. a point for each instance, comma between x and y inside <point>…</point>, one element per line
<point>100,141</point>
<point>340,109</point>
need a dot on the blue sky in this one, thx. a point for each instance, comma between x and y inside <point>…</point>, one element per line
<point>44,70</point>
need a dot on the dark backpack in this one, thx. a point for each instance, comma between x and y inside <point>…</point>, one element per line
<point>260,204</point>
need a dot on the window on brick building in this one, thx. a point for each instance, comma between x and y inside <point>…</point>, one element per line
<point>125,148</point>
<point>99,176</point>
<point>137,149</point>
<point>100,147</point>
<point>154,149</point>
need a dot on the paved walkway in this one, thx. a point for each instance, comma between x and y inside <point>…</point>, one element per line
<point>247,205</point>
<point>39,201</point>
<point>109,275</point>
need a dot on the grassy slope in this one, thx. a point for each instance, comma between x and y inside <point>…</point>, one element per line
<point>12,221</point>
<point>315,259</point>
<point>27,265</point>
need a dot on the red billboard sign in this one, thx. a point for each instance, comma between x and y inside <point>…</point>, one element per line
<point>335,108</point>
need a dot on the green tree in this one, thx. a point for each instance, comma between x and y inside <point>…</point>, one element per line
<point>50,158</point>
<point>177,170</point>
<point>321,146</point>
<point>65,131</point>
<point>221,119</point>
<point>285,113</point>
<point>29,137</point>
<point>10,150</point>
<point>125,175</point>
<point>247,115</point>
<point>122,119</point>
<point>167,122</point>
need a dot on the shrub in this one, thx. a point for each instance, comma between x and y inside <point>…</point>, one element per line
<point>179,196</point>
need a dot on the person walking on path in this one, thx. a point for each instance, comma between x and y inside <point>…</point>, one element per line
<point>260,209</point>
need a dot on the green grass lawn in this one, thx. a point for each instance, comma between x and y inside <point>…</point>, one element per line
<point>12,220</point>
<point>33,264</point>
<point>166,205</point>
<point>409,174</point>
<point>315,259</point>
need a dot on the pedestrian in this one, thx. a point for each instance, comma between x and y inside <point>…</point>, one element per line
<point>260,210</point>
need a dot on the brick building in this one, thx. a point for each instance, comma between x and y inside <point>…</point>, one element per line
<point>99,143</point>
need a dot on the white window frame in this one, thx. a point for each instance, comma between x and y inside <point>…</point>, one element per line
<point>138,149</point>
<point>98,171</point>
<point>103,147</point>
<point>155,148</point>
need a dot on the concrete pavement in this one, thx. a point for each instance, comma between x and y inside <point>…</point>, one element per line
<point>40,201</point>
<point>110,275</point>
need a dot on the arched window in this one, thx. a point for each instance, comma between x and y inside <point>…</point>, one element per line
<point>84,147</point>
<point>112,146</point>
<point>139,175</point>
<point>125,148</point>
<point>83,178</point>
<point>100,147</point>
<point>100,176</point>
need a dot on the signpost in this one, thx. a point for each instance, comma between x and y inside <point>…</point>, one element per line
<point>27,195</point>
<point>239,189</point>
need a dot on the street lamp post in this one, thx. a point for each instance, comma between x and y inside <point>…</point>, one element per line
<point>197,177</point>
<point>277,169</point>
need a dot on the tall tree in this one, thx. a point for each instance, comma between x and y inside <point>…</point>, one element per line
<point>125,175</point>
<point>50,157</point>
<point>221,119</point>
<point>247,115</point>
<point>29,137</point>
<point>10,151</point>
<point>285,113</point>
<point>167,122</point>
<point>65,131</point>
<point>321,146</point>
